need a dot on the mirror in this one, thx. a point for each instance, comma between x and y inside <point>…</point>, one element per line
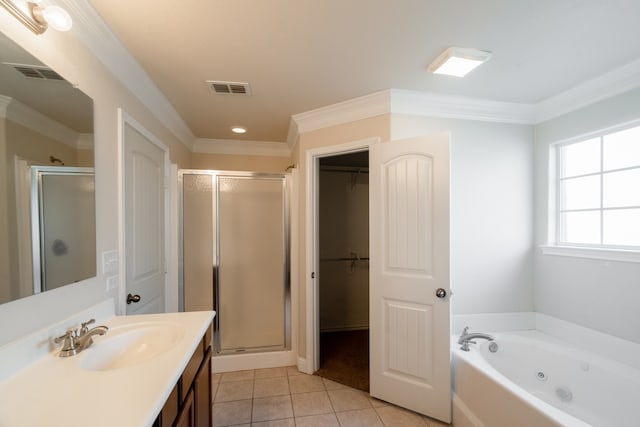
<point>44,121</point>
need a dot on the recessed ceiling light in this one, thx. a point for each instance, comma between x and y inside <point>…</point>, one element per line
<point>458,61</point>
<point>238,129</point>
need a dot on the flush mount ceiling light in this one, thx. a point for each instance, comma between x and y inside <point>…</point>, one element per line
<point>36,17</point>
<point>458,61</point>
<point>238,129</point>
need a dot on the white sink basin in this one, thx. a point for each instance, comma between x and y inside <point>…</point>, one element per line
<point>129,345</point>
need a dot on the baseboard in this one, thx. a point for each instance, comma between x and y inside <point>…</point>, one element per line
<point>242,362</point>
<point>302,365</point>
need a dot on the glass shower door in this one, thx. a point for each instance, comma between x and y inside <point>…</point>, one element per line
<point>251,253</point>
<point>235,257</point>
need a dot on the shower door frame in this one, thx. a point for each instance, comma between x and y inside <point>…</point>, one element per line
<point>37,172</point>
<point>286,218</point>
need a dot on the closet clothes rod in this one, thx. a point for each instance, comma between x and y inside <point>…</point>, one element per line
<point>345,259</point>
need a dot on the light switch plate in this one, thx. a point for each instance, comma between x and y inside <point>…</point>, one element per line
<point>109,262</point>
<point>112,283</point>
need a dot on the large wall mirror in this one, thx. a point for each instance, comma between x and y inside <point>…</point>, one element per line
<point>47,192</point>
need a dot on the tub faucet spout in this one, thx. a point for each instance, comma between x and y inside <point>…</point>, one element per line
<point>466,337</point>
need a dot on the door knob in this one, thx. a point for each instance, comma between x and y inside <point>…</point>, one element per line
<point>441,293</point>
<point>132,298</point>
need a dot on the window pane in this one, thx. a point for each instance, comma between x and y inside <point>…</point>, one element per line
<point>580,158</point>
<point>581,227</point>
<point>621,188</point>
<point>622,149</point>
<point>622,227</point>
<point>581,193</point>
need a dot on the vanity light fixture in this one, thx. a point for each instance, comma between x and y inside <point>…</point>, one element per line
<point>238,129</point>
<point>37,17</point>
<point>458,61</point>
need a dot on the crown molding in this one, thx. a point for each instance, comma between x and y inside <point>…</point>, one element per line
<point>241,147</point>
<point>414,103</point>
<point>351,110</point>
<point>95,34</point>
<point>614,82</point>
<point>17,112</point>
<point>459,107</point>
<point>292,134</point>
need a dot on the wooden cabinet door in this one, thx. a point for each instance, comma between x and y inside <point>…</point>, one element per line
<point>186,417</point>
<point>202,393</point>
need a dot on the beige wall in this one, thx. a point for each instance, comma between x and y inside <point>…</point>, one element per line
<point>379,126</point>
<point>231,162</point>
<point>65,53</point>
<point>85,158</point>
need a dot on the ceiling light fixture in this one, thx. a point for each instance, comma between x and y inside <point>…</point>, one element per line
<point>458,61</point>
<point>238,129</point>
<point>36,17</point>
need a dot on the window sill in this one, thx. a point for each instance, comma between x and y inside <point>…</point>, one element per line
<point>619,255</point>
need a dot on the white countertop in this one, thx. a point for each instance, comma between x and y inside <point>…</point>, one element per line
<point>57,391</point>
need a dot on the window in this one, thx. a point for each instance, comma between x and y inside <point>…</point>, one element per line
<point>598,188</point>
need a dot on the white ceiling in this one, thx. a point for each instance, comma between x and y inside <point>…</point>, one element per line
<point>299,55</point>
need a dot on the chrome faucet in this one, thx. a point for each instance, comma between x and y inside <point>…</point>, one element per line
<point>74,341</point>
<point>466,337</point>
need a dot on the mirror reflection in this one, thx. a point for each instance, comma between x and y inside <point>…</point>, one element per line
<point>45,124</point>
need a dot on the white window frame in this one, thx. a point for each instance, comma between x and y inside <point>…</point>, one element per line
<point>601,252</point>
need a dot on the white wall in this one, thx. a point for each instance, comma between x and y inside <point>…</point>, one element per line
<point>601,295</point>
<point>491,211</point>
<point>65,53</point>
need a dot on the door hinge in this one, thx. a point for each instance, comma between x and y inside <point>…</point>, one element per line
<point>313,275</point>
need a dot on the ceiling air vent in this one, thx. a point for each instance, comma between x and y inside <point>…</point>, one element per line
<point>229,88</point>
<point>36,71</point>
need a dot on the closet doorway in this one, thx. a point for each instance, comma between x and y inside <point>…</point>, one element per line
<point>343,287</point>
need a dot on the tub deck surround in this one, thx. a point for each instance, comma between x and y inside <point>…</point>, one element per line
<point>60,391</point>
<point>536,380</point>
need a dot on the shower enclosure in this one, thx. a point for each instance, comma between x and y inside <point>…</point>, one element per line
<point>63,219</point>
<point>234,253</point>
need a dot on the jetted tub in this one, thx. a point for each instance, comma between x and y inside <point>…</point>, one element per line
<point>535,380</point>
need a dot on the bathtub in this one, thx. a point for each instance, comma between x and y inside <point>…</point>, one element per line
<point>535,380</point>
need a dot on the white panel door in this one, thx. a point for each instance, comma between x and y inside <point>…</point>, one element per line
<point>144,223</point>
<point>409,226</point>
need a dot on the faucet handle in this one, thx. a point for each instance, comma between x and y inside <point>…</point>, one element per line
<point>83,327</point>
<point>465,331</point>
<point>68,343</point>
<point>66,337</point>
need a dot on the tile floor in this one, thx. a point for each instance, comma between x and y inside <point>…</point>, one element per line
<point>284,397</point>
